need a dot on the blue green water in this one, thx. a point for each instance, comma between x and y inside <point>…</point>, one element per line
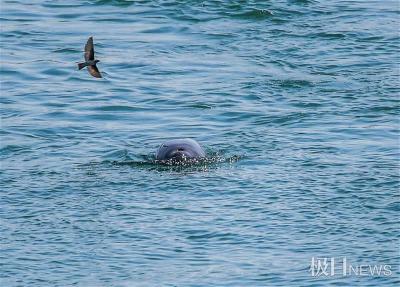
<point>296,103</point>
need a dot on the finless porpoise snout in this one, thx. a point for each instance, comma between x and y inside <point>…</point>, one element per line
<point>180,150</point>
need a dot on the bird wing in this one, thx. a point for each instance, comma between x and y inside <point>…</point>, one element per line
<point>89,50</point>
<point>94,71</point>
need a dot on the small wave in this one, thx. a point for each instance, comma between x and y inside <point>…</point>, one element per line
<point>117,108</point>
<point>22,34</point>
<point>67,51</point>
<point>12,72</point>
<point>12,150</point>
<point>205,236</point>
<point>293,83</point>
<point>303,2</point>
<point>160,30</point>
<point>328,35</point>
<point>60,5</point>
<point>257,14</point>
<point>55,72</point>
<point>68,15</point>
<point>119,3</point>
<point>148,161</point>
<point>202,106</point>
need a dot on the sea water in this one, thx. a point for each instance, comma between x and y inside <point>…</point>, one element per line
<point>295,102</point>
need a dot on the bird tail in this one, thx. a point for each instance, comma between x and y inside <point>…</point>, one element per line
<point>81,65</point>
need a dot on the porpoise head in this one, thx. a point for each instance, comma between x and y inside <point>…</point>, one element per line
<point>179,150</point>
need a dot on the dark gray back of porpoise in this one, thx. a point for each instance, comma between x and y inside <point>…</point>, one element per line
<point>180,149</point>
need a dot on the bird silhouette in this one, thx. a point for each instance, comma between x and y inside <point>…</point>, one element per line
<point>90,62</point>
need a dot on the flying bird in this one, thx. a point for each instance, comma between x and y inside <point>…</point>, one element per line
<point>90,62</point>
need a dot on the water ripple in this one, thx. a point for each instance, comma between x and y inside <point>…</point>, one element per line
<point>295,102</point>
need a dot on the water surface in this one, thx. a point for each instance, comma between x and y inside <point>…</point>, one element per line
<point>296,100</point>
